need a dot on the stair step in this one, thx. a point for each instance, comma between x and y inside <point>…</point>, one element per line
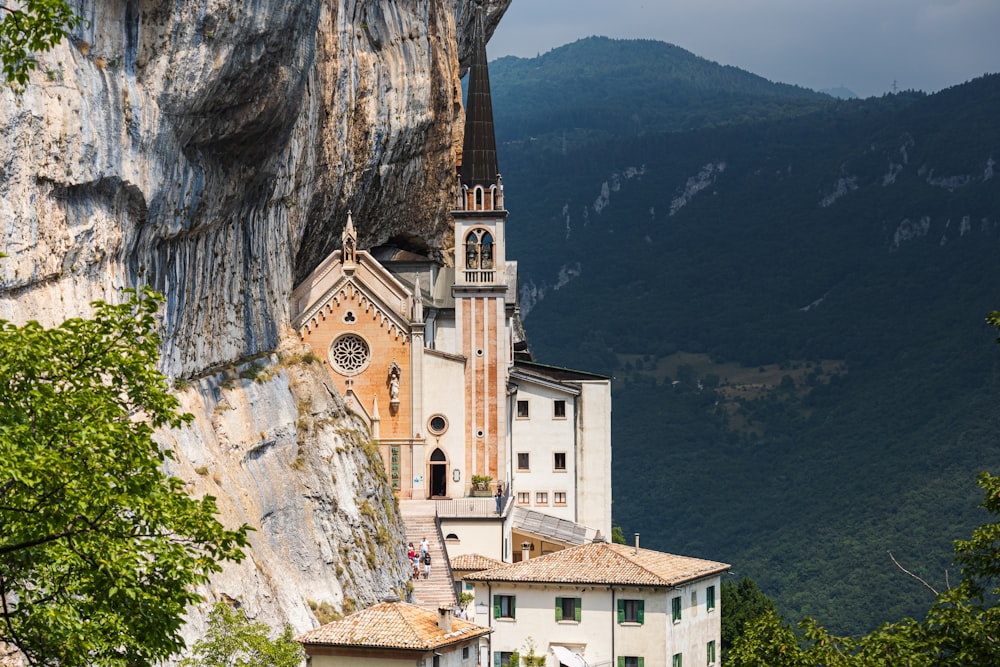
<point>419,521</point>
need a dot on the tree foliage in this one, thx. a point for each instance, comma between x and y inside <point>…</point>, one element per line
<point>743,602</point>
<point>961,628</point>
<point>30,26</point>
<point>99,548</point>
<point>233,641</point>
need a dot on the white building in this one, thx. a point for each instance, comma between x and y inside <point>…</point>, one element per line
<point>602,604</point>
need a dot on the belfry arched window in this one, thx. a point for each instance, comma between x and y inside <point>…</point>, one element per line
<point>479,249</point>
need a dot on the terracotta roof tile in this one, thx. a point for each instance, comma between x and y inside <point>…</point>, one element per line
<point>474,562</point>
<point>604,563</point>
<point>397,625</point>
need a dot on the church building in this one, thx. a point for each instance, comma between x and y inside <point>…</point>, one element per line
<point>431,358</point>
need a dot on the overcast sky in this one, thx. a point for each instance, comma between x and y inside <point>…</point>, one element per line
<point>863,45</point>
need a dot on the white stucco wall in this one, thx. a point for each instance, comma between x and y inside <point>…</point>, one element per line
<point>443,384</point>
<point>593,457</point>
<point>451,656</point>
<point>474,537</point>
<point>598,637</point>
<point>541,435</point>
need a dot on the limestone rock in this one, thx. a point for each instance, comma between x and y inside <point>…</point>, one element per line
<point>212,150</point>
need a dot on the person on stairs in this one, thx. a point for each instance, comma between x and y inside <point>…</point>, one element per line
<point>427,565</point>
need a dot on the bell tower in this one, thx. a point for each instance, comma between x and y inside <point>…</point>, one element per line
<point>481,283</point>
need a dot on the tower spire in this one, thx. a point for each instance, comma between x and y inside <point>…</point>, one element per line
<point>479,149</point>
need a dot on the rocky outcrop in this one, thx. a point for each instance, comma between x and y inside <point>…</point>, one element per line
<point>271,440</point>
<point>213,150</point>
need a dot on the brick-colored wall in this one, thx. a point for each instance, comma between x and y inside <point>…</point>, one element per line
<point>386,345</point>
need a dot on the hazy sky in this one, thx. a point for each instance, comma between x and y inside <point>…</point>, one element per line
<point>863,45</point>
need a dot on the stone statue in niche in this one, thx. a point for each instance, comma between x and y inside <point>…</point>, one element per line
<point>394,373</point>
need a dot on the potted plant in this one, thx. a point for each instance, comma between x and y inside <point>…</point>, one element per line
<point>481,485</point>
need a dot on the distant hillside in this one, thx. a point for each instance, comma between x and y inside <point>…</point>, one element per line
<point>792,307</point>
<point>631,87</point>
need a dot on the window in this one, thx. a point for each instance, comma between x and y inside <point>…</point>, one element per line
<point>437,424</point>
<point>503,606</point>
<point>694,603</point>
<point>558,497</point>
<point>522,409</point>
<point>349,354</point>
<point>523,461</point>
<point>710,653</point>
<point>568,609</point>
<point>465,653</point>
<point>479,246</point>
<point>630,661</point>
<point>675,609</point>
<point>559,460</point>
<point>677,660</point>
<point>506,659</point>
<point>631,611</point>
<point>523,497</point>
<point>710,598</point>
<point>542,498</point>
<point>559,409</point>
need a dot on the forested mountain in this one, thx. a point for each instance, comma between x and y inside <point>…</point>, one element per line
<point>790,291</point>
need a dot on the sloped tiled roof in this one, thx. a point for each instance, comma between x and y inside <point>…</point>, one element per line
<point>395,625</point>
<point>604,563</point>
<point>551,527</point>
<point>474,562</point>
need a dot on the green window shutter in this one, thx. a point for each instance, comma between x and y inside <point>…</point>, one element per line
<point>558,609</point>
<point>496,608</point>
<point>578,610</point>
<point>496,659</point>
<point>621,661</point>
<point>621,613</point>
<point>710,597</point>
<point>513,600</point>
<point>642,611</point>
<point>515,659</point>
<point>642,662</point>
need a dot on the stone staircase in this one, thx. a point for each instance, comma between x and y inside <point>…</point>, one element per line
<point>419,521</point>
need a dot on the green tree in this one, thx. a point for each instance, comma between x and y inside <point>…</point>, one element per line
<point>99,548</point>
<point>742,602</point>
<point>233,641</point>
<point>30,26</point>
<point>960,629</point>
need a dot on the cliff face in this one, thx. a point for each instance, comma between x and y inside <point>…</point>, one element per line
<point>213,150</point>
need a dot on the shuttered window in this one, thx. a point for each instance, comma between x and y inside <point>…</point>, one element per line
<point>631,611</point>
<point>504,606</point>
<point>569,609</point>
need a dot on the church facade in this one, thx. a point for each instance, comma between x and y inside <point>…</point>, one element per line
<point>429,356</point>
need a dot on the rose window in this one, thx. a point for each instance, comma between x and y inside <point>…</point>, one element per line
<point>349,354</point>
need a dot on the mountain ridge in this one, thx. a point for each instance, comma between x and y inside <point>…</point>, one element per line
<point>856,236</point>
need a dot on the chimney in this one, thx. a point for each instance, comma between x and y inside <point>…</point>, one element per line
<point>444,618</point>
<point>598,537</point>
<point>636,543</point>
<point>525,550</point>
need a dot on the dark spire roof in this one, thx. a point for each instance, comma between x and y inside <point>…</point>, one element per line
<point>479,150</point>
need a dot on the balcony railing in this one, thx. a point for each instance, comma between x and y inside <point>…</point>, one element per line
<point>479,276</point>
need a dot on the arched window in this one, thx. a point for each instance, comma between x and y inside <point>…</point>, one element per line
<point>479,197</point>
<point>486,250</point>
<point>479,249</point>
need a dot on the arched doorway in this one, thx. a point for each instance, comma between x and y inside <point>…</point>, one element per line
<point>439,474</point>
